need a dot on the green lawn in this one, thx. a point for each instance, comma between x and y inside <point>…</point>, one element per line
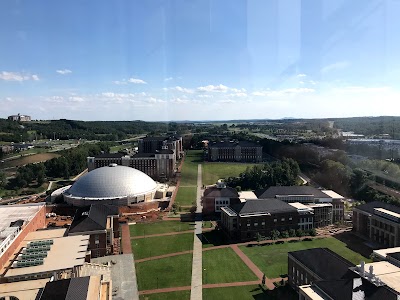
<point>223,265</point>
<point>160,245</point>
<point>272,260</point>
<point>186,196</point>
<point>180,295</point>
<point>189,169</point>
<point>214,171</point>
<point>213,238</point>
<point>166,272</point>
<point>250,292</point>
<point>159,227</point>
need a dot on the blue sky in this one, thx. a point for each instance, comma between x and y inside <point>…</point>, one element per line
<point>199,59</point>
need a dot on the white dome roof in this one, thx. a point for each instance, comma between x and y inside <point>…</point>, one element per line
<point>112,182</point>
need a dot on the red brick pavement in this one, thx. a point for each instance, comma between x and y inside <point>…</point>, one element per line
<point>252,266</point>
<point>126,239</point>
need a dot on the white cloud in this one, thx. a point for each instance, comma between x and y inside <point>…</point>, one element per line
<point>205,96</point>
<point>16,76</point>
<point>362,89</point>
<point>213,88</point>
<point>283,92</point>
<point>64,71</point>
<point>179,89</point>
<point>335,66</point>
<point>301,75</point>
<point>226,101</point>
<point>238,94</point>
<point>179,101</point>
<point>168,79</point>
<point>136,81</point>
<point>119,82</point>
<point>76,99</point>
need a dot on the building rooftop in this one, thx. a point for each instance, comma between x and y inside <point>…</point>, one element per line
<point>27,291</point>
<point>395,255</point>
<point>165,151</point>
<point>140,155</point>
<point>386,272</point>
<point>67,289</point>
<point>9,214</point>
<point>369,207</point>
<point>325,263</point>
<point>332,194</point>
<point>64,253</point>
<point>221,192</point>
<point>232,144</point>
<point>285,191</point>
<point>92,218</point>
<point>110,155</point>
<point>262,206</point>
<point>247,195</point>
<point>382,253</point>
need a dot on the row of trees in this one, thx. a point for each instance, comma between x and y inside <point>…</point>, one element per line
<point>283,172</point>
<point>276,234</point>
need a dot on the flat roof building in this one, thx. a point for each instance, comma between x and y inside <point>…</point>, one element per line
<point>46,253</point>
<point>235,151</point>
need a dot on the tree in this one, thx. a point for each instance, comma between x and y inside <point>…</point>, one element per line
<point>285,234</point>
<point>3,179</point>
<point>312,232</point>
<point>238,188</point>
<point>259,237</point>
<point>193,209</point>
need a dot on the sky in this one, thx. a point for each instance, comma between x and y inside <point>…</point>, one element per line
<point>164,60</point>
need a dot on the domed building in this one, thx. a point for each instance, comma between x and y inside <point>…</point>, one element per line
<point>114,184</point>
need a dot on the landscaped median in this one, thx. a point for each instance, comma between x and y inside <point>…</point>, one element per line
<point>272,258</point>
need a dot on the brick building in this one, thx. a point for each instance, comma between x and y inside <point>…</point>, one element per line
<point>152,144</point>
<point>235,151</point>
<point>379,222</point>
<point>100,222</point>
<point>244,221</point>
<point>328,206</point>
<point>218,196</point>
<point>16,222</point>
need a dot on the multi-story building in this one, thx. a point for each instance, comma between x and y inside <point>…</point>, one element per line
<point>320,274</point>
<point>158,165</point>
<point>19,118</point>
<point>310,196</point>
<point>244,221</point>
<point>307,266</point>
<point>100,223</point>
<point>218,196</point>
<point>379,222</point>
<point>152,144</point>
<point>235,151</point>
<point>16,221</point>
<point>306,215</point>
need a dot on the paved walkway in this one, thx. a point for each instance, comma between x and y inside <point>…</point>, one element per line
<point>196,292</point>
<point>126,241</point>
<point>252,267</point>
<point>160,234</point>
<point>228,284</point>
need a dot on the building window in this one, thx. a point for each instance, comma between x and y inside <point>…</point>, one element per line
<point>275,220</point>
<point>290,218</point>
<point>263,223</point>
<point>255,224</point>
<point>248,224</point>
<point>283,219</point>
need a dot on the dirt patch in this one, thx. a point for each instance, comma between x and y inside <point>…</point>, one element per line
<point>30,159</point>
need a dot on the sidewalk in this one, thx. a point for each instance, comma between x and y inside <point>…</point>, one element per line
<point>196,292</point>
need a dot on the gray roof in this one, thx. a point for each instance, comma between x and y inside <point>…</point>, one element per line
<point>325,263</point>
<point>221,192</point>
<point>369,207</point>
<point>66,289</point>
<point>165,151</point>
<point>302,190</point>
<point>92,218</point>
<point>233,144</point>
<point>272,206</point>
<point>110,155</point>
<point>112,182</point>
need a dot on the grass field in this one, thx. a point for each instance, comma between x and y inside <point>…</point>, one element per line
<point>214,171</point>
<point>272,260</point>
<point>166,272</point>
<point>189,169</point>
<point>160,245</point>
<point>250,292</point>
<point>186,196</point>
<point>159,227</point>
<point>213,238</point>
<point>180,295</point>
<point>223,265</point>
<point>30,159</point>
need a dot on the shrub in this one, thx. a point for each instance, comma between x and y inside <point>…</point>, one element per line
<point>292,233</point>
<point>299,233</point>
<point>285,234</point>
